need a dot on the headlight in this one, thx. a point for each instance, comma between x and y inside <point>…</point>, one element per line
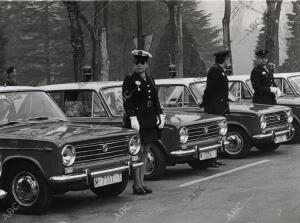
<point>183,134</point>
<point>263,122</point>
<point>289,116</point>
<point>223,128</point>
<point>134,145</point>
<point>68,155</point>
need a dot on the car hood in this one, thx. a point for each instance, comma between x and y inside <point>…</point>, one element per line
<point>62,132</point>
<point>184,118</point>
<point>288,100</point>
<point>252,108</point>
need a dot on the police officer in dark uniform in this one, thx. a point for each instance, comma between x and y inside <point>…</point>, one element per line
<point>215,98</point>
<point>262,79</point>
<point>142,112</point>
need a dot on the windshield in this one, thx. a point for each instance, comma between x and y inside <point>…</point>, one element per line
<point>295,82</point>
<point>175,96</point>
<point>114,100</point>
<point>25,106</point>
<point>198,89</point>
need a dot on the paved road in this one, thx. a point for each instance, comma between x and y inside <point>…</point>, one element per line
<point>263,188</point>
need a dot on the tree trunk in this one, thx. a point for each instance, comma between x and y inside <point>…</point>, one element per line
<point>76,38</point>
<point>46,45</point>
<point>226,27</point>
<point>179,41</point>
<point>272,27</point>
<point>171,6</point>
<point>104,54</point>
<point>96,38</point>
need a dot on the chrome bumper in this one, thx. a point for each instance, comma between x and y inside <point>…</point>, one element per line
<point>2,194</point>
<point>197,150</point>
<point>271,135</point>
<point>90,174</point>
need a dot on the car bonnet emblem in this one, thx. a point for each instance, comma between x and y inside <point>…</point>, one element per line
<point>105,148</point>
<point>278,117</point>
<point>205,130</point>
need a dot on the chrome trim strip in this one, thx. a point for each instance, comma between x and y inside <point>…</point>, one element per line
<point>83,176</point>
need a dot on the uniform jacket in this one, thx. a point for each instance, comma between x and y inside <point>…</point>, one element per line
<point>140,99</point>
<point>262,79</point>
<point>215,98</point>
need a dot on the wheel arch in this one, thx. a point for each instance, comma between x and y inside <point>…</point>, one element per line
<point>240,126</point>
<point>160,144</point>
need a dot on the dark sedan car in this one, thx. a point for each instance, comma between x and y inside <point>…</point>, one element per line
<point>248,124</point>
<point>186,137</point>
<point>42,153</point>
<point>240,86</point>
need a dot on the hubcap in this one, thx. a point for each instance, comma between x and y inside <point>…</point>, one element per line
<point>235,143</point>
<point>25,189</point>
<point>150,163</point>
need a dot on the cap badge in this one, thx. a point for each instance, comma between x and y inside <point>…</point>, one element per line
<point>138,83</point>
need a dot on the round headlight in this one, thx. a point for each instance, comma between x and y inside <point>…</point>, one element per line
<point>289,116</point>
<point>183,134</point>
<point>68,155</point>
<point>223,128</point>
<point>134,145</point>
<point>263,122</point>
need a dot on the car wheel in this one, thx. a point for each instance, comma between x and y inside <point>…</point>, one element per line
<point>295,137</point>
<point>156,163</point>
<point>27,189</point>
<point>239,143</point>
<point>201,164</point>
<point>112,190</point>
<point>267,147</point>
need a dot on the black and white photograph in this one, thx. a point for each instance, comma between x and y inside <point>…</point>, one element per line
<point>149,111</point>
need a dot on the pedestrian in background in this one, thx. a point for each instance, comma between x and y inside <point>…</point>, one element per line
<point>142,112</point>
<point>10,78</point>
<point>263,83</point>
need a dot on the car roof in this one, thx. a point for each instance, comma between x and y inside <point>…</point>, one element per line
<point>180,81</point>
<point>286,75</point>
<point>18,88</point>
<point>239,77</point>
<point>81,85</point>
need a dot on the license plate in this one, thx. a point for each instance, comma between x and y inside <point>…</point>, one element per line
<point>279,139</point>
<point>107,180</point>
<point>208,155</point>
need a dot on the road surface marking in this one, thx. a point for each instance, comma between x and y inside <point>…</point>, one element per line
<point>222,174</point>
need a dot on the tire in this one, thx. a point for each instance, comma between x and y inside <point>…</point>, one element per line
<point>239,143</point>
<point>295,138</point>
<point>28,178</point>
<point>156,165</point>
<point>112,190</point>
<point>268,147</point>
<point>201,164</point>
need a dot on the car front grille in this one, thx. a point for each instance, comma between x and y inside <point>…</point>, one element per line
<point>94,151</point>
<point>276,119</point>
<point>203,131</point>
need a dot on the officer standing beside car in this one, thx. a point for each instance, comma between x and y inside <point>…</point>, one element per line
<point>215,98</point>
<point>142,112</point>
<point>263,83</point>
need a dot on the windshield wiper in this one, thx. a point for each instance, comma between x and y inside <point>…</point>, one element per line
<point>38,118</point>
<point>10,123</point>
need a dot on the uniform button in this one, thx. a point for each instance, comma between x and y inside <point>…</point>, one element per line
<point>149,91</point>
<point>149,97</point>
<point>148,85</point>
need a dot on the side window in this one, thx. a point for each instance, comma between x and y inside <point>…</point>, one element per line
<point>235,89</point>
<point>286,88</point>
<point>78,103</point>
<point>57,96</point>
<point>98,109</point>
<point>278,82</point>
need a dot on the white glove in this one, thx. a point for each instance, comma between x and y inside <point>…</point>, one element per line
<point>162,121</point>
<point>278,93</point>
<point>274,89</point>
<point>135,123</point>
